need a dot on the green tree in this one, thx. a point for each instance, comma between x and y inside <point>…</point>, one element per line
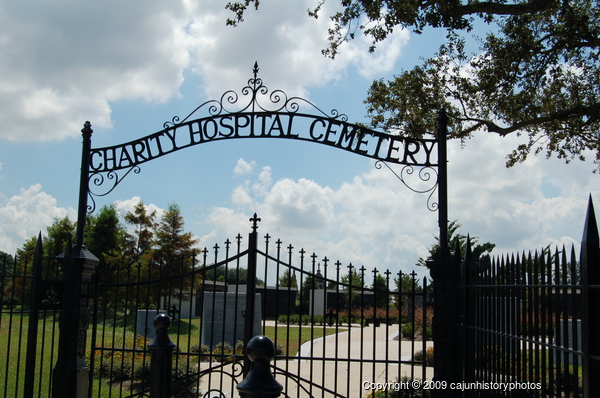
<point>15,289</point>
<point>353,278</point>
<point>140,244</point>
<point>171,240</point>
<point>105,238</point>
<point>288,279</point>
<point>6,282</point>
<point>536,73</point>
<point>407,284</point>
<point>382,292</point>
<point>455,236</point>
<point>58,235</point>
<point>352,284</point>
<point>175,256</point>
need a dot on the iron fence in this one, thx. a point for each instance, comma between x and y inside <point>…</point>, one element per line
<point>527,322</point>
<point>31,304</point>
<point>337,332</point>
<point>524,318</point>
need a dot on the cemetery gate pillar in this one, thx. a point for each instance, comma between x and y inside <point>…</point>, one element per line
<point>442,271</point>
<point>71,373</point>
<point>250,291</point>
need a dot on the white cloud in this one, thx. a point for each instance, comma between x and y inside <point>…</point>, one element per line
<point>128,206</point>
<point>68,61</point>
<point>301,204</point>
<point>243,168</point>
<point>372,65</point>
<point>287,44</point>
<point>26,214</point>
<point>241,196</point>
<point>227,223</point>
<point>510,206</point>
<point>368,221</point>
<point>265,181</point>
<point>374,220</point>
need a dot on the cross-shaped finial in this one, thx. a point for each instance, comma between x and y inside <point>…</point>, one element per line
<point>255,220</point>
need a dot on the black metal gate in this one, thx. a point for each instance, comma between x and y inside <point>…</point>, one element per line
<point>324,302</point>
<point>336,334</point>
<point>32,301</point>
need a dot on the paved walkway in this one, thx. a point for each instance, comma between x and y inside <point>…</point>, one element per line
<point>349,372</point>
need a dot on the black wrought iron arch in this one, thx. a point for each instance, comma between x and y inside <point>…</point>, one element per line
<point>256,112</point>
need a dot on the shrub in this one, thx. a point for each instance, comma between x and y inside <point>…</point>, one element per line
<point>428,333</point>
<point>408,331</point>
<point>423,317</point>
<point>223,352</point>
<point>488,354</point>
<point>427,357</point>
<point>121,371</point>
<point>300,319</point>
<point>361,316</point>
<point>203,350</point>
<point>239,347</point>
<point>400,392</point>
<point>278,349</point>
<point>224,347</point>
<point>142,371</point>
<point>116,364</point>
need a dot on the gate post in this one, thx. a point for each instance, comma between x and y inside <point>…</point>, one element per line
<point>250,291</point>
<point>590,278</point>
<point>442,270</point>
<point>70,377</point>
<point>260,383</point>
<point>441,267</point>
<point>161,364</point>
<point>71,373</point>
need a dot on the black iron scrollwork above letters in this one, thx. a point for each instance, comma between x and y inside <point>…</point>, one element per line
<point>255,113</point>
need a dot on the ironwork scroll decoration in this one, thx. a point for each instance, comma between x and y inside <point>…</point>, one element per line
<point>425,174</point>
<point>257,112</point>
<point>279,102</point>
<point>98,179</point>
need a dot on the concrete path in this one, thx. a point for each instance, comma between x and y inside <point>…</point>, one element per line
<point>345,360</point>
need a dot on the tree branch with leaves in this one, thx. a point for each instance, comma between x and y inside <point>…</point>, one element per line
<point>536,74</point>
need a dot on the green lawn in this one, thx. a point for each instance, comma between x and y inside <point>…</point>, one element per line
<point>118,332</point>
<point>13,349</point>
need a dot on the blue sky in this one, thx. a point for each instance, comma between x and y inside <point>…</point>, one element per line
<point>130,67</point>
